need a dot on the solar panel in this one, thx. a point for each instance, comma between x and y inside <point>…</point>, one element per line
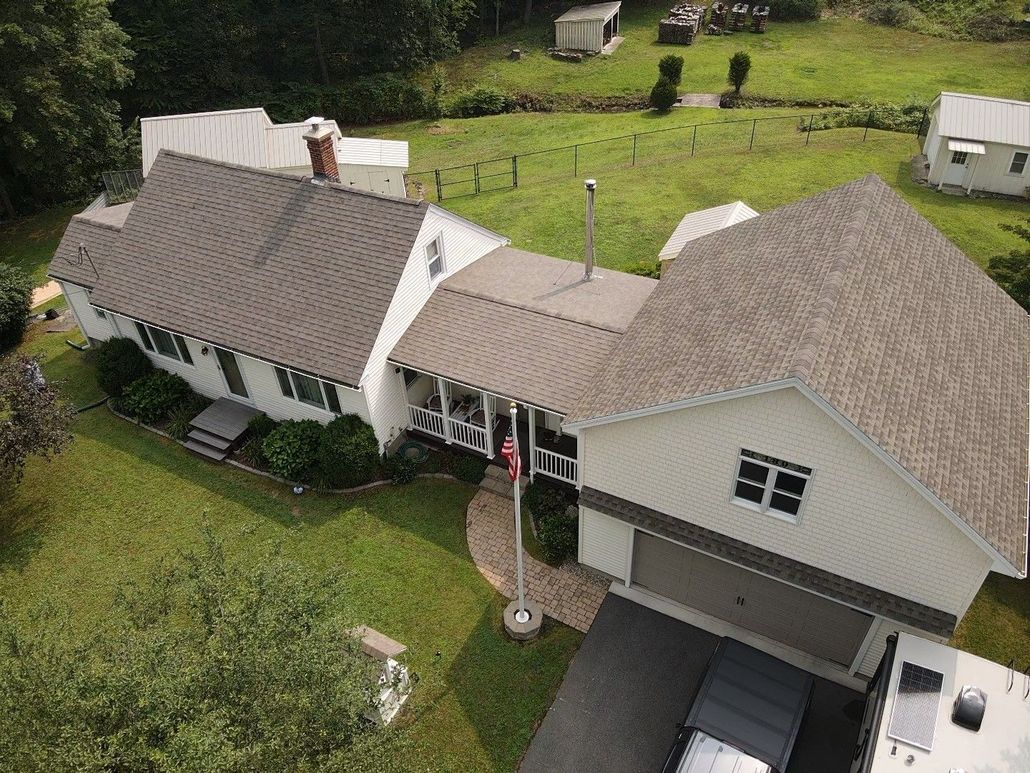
<point>914,716</point>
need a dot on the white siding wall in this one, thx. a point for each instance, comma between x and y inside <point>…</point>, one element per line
<point>860,520</point>
<point>932,142</point>
<point>236,136</point>
<point>992,171</point>
<point>878,644</point>
<point>463,244</point>
<point>604,543</point>
<point>585,35</point>
<point>92,326</point>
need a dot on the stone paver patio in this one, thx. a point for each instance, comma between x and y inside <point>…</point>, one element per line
<point>569,594</point>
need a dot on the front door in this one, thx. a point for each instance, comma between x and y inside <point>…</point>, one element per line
<point>958,164</point>
<point>231,373</point>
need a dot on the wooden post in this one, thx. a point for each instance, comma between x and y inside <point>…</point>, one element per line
<point>445,407</point>
<point>532,442</point>
<point>439,187</point>
<point>488,418</point>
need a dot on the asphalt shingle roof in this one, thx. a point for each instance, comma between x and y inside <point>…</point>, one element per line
<point>856,295</point>
<point>97,231</point>
<point>262,262</point>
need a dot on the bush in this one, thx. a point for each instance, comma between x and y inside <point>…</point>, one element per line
<point>400,469</point>
<point>253,454</point>
<point>795,10</point>
<point>648,268</point>
<point>15,305</point>
<point>348,453</point>
<point>888,116</point>
<point>890,13</point>
<point>663,95</point>
<point>671,66</point>
<point>559,536</point>
<point>292,448</point>
<point>151,398</point>
<point>740,69</point>
<point>119,363</point>
<point>479,102</point>
<point>384,97</point>
<point>260,426</point>
<point>180,416</point>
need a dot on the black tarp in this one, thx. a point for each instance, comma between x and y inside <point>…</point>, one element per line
<point>752,701</point>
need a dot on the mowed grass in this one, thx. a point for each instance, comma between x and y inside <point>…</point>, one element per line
<point>639,206</point>
<point>997,626</point>
<point>836,59</point>
<point>29,242</point>
<point>120,500</point>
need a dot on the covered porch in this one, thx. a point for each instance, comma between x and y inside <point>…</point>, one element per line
<point>478,421</point>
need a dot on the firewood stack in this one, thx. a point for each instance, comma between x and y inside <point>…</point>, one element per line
<point>738,17</point>
<point>682,25</point>
<point>719,11</point>
<point>759,18</point>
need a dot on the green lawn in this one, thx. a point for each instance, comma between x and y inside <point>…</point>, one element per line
<point>837,59</point>
<point>29,242</point>
<point>639,206</point>
<point>997,626</point>
<point>121,499</point>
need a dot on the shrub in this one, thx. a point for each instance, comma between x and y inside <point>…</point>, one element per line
<point>151,398</point>
<point>649,268</point>
<point>15,305</point>
<point>400,469</point>
<point>888,116</point>
<point>795,10</point>
<point>559,536</point>
<point>890,13</point>
<point>120,362</point>
<point>470,469</point>
<point>348,453</point>
<point>740,69</point>
<point>663,95</point>
<point>180,416</point>
<point>479,102</point>
<point>671,66</point>
<point>991,26</point>
<point>292,447</point>
<point>383,97</point>
<point>253,454</point>
<point>260,426</point>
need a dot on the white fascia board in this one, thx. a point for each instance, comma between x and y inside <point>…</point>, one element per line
<point>459,220</point>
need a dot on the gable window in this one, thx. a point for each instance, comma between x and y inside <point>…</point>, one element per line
<point>1018,165</point>
<point>434,259</point>
<point>144,336</point>
<point>959,157</point>
<point>770,485</point>
<point>308,390</point>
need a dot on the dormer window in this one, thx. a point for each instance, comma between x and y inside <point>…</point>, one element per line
<point>434,259</point>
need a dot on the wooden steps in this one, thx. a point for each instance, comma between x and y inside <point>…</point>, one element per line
<point>218,428</point>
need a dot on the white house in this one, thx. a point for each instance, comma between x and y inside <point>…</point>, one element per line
<point>811,431</point>
<point>979,144</point>
<point>249,137</point>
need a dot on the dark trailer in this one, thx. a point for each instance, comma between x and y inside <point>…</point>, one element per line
<point>749,701</point>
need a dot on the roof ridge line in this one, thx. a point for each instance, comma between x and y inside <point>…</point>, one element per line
<point>832,284</point>
<point>523,307</point>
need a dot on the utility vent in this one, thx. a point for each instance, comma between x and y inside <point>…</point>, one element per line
<point>914,717</point>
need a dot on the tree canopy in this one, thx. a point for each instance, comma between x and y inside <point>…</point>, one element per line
<point>1012,271</point>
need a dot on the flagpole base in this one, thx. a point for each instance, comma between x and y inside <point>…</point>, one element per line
<point>523,631</point>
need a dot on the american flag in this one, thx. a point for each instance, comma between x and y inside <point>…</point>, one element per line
<point>510,452</point>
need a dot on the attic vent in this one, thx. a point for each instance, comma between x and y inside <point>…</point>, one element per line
<point>914,717</point>
<point>969,708</point>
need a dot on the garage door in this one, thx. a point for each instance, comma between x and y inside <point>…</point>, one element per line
<point>778,611</point>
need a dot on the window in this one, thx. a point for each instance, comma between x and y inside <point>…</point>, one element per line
<point>332,397</point>
<point>163,342</point>
<point>1018,164</point>
<point>144,336</point>
<point>959,157</point>
<point>184,351</point>
<point>284,382</point>
<point>434,259</point>
<point>770,485</point>
<point>307,390</point>
<point>101,314</point>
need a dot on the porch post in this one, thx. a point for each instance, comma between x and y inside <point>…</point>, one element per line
<point>532,442</point>
<point>445,407</point>
<point>488,415</point>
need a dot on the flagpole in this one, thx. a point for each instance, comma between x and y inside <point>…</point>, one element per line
<point>521,615</point>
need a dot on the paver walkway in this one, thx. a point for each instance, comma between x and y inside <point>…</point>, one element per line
<point>698,100</point>
<point>569,594</point>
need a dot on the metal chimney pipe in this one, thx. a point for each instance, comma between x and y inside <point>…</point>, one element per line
<point>588,269</point>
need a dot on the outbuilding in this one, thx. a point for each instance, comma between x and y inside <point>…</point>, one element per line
<point>587,27</point>
<point>979,144</point>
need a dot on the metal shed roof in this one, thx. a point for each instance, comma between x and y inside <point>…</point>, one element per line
<point>371,152</point>
<point>753,701</point>
<point>697,224</point>
<point>965,146</point>
<point>987,119</point>
<point>595,12</point>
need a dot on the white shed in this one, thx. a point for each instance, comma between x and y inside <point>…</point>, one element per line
<point>587,27</point>
<point>979,144</point>
<point>697,224</point>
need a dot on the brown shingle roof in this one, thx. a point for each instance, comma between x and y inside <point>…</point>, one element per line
<point>263,262</point>
<point>856,295</point>
<point>98,232</point>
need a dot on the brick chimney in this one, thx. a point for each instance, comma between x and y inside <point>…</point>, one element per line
<point>321,142</point>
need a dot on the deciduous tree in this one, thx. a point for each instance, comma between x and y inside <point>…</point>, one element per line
<point>1012,271</point>
<point>33,418</point>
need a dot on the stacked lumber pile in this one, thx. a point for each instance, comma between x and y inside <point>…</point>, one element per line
<point>738,17</point>
<point>719,11</point>
<point>759,18</point>
<point>682,25</point>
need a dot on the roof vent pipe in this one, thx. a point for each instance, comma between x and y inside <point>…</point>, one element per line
<point>588,270</point>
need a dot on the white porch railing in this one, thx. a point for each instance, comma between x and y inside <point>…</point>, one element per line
<point>559,466</point>
<point>427,421</point>
<point>469,435</point>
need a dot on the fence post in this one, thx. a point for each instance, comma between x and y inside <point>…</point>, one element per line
<point>811,123</point>
<point>575,162</point>
<point>439,187</point>
<point>922,121</point>
<point>868,120</point>
<point>475,176</point>
<point>514,171</point>
<point>693,140</point>
<point>634,150</point>
<point>754,125</point>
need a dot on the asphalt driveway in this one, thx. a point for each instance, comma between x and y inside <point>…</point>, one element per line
<point>633,680</point>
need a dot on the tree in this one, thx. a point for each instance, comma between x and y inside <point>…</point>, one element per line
<point>1012,271</point>
<point>60,63</point>
<point>663,94</point>
<point>740,69</point>
<point>15,304</point>
<point>211,667</point>
<point>671,66</point>
<point>33,418</point>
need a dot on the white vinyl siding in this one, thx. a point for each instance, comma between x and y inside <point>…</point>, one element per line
<point>236,136</point>
<point>93,327</point>
<point>1018,164</point>
<point>604,543</point>
<point>878,643</point>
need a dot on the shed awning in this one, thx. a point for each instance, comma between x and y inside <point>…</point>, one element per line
<point>967,146</point>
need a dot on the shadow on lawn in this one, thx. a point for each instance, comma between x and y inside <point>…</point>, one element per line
<point>19,540</point>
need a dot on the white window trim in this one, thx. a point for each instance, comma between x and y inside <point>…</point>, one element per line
<point>1012,160</point>
<point>963,162</point>
<point>438,241</point>
<point>178,356</point>
<point>290,374</point>
<point>764,507</point>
